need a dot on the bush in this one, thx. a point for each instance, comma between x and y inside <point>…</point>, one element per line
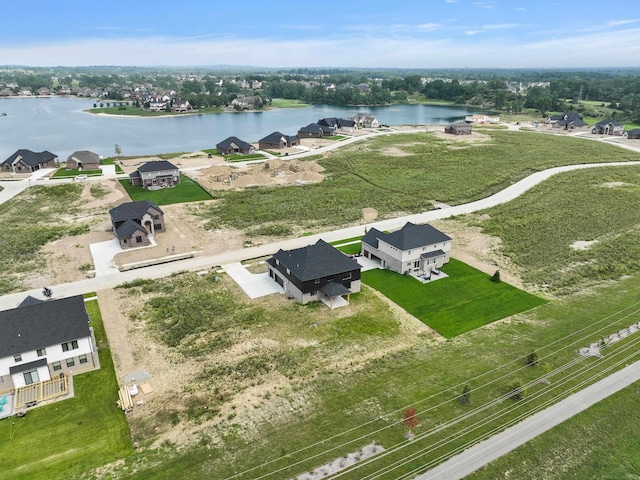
<point>496,277</point>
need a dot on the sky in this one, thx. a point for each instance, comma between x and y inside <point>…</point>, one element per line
<point>351,33</point>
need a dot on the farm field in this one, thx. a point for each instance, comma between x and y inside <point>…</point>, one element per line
<point>67,438</point>
<point>465,300</point>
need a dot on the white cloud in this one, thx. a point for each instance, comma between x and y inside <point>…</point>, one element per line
<point>615,23</point>
<point>428,26</point>
<point>600,49</point>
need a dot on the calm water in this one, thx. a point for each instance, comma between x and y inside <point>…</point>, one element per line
<point>60,126</point>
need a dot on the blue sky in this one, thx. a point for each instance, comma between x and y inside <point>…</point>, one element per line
<point>349,33</point>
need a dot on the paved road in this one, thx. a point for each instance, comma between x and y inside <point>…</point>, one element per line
<point>204,262</point>
<point>485,452</point>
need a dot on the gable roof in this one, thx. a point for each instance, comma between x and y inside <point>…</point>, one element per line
<point>311,128</point>
<point>85,156</point>
<point>314,261</point>
<point>31,158</point>
<point>274,137</point>
<point>43,324</point>
<point>241,144</point>
<point>128,228</point>
<point>156,166</point>
<point>408,237</point>
<point>29,300</point>
<point>608,121</point>
<point>132,210</point>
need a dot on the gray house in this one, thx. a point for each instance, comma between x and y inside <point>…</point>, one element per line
<point>234,146</point>
<point>156,174</point>
<point>26,161</point>
<point>608,127</point>
<point>134,223</point>
<point>277,140</point>
<point>315,272</point>
<point>414,249</point>
<point>83,160</point>
<point>458,128</point>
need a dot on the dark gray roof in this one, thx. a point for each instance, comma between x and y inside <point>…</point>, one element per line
<point>274,137</point>
<point>156,165</point>
<point>408,237</point>
<point>85,156</point>
<point>435,253</point>
<point>132,210</point>
<point>635,131</point>
<point>329,122</point>
<point>25,367</point>
<point>333,289</point>
<point>25,329</point>
<point>128,228</point>
<point>311,128</point>
<point>608,121</point>
<point>29,300</point>
<point>31,158</point>
<point>241,144</point>
<point>315,261</point>
<point>461,124</point>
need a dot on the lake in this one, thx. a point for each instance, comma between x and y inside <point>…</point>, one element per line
<point>59,125</point>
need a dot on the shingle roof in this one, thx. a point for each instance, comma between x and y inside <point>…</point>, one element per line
<point>85,156</point>
<point>241,144</point>
<point>156,165</point>
<point>408,237</point>
<point>315,261</point>
<point>41,362</point>
<point>274,137</point>
<point>311,128</point>
<point>132,210</point>
<point>28,328</point>
<point>31,158</point>
<point>128,228</point>
<point>29,300</point>
<point>608,121</point>
<point>333,289</point>
<point>435,253</point>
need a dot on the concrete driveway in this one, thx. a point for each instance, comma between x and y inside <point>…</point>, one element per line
<point>103,254</point>
<point>254,284</point>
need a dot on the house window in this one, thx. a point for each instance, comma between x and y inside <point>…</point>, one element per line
<point>313,293</point>
<point>70,362</point>
<point>18,357</point>
<point>139,239</point>
<point>157,226</point>
<point>82,359</point>
<point>288,272</point>
<point>69,346</point>
<point>316,281</point>
<point>347,276</point>
<point>31,377</point>
<point>41,352</point>
<point>410,252</point>
<point>56,366</point>
<point>156,217</point>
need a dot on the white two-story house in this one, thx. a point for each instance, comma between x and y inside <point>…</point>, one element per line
<point>39,340</point>
<point>413,249</point>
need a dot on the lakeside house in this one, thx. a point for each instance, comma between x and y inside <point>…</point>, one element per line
<point>277,140</point>
<point>155,174</point>
<point>234,146</point>
<point>458,128</point>
<point>567,121</point>
<point>83,160</point>
<point>608,127</point>
<point>26,161</point>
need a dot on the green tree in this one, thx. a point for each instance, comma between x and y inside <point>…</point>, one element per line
<point>118,150</point>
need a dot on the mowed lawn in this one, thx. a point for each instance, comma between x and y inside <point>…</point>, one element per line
<point>466,300</point>
<point>186,191</point>
<point>72,436</point>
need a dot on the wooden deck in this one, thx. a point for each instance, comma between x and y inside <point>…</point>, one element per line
<point>41,391</point>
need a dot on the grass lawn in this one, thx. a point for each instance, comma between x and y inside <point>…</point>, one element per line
<point>69,437</point>
<point>64,173</point>
<point>599,443</point>
<point>186,191</point>
<point>466,300</point>
<point>288,103</point>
